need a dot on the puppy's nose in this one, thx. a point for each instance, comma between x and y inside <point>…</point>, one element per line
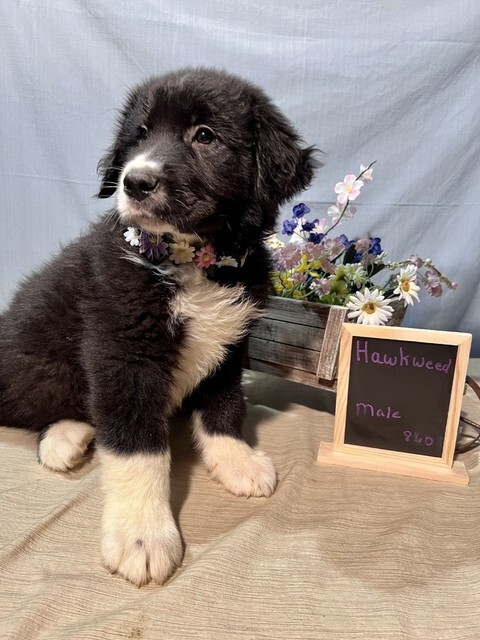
<point>139,184</point>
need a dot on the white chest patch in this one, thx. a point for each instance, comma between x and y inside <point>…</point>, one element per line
<point>216,317</point>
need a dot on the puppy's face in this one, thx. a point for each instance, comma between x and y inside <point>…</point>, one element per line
<point>198,151</point>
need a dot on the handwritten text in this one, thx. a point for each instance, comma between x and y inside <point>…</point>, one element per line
<point>402,359</point>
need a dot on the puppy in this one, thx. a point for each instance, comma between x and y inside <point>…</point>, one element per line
<point>146,312</point>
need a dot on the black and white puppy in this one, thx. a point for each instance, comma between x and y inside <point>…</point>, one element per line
<point>135,319</point>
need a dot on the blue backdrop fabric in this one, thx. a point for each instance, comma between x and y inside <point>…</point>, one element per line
<point>393,82</point>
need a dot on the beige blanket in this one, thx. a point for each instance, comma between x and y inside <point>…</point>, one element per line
<point>335,553</point>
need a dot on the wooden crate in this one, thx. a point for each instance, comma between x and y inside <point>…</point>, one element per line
<point>300,340</point>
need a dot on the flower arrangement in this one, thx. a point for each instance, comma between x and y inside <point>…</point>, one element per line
<point>319,266</point>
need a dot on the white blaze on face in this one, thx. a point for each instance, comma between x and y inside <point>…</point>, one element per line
<point>133,212</point>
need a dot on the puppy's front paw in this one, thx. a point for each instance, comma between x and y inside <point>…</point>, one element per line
<point>140,555</point>
<point>140,539</point>
<point>242,470</point>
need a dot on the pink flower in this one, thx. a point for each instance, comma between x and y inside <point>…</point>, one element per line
<point>287,257</point>
<point>205,257</point>
<point>349,189</point>
<point>336,212</point>
<point>432,284</point>
<point>363,244</point>
<point>328,266</point>
<point>366,173</point>
<point>321,226</point>
<point>417,261</point>
<point>333,247</point>
<point>320,286</point>
<point>314,251</point>
<point>299,278</point>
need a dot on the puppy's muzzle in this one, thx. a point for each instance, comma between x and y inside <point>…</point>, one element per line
<point>139,184</point>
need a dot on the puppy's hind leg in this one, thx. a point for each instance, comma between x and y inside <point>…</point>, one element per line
<point>63,444</point>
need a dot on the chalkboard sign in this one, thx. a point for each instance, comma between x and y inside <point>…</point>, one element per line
<point>399,397</point>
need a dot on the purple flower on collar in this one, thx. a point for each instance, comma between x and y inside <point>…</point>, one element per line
<point>152,246</point>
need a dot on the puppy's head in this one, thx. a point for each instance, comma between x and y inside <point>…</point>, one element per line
<point>200,151</point>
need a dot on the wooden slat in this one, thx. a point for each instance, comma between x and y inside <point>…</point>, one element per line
<point>294,357</point>
<point>327,362</point>
<point>290,334</point>
<point>297,312</point>
<point>278,342</point>
<point>295,375</point>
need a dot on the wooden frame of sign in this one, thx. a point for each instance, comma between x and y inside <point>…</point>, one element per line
<point>399,398</point>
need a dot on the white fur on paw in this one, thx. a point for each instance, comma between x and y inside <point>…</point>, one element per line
<point>242,470</point>
<point>140,539</point>
<point>64,444</point>
<point>141,554</point>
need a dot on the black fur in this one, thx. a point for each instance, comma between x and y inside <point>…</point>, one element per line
<point>90,336</point>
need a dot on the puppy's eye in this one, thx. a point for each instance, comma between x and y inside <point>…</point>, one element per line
<point>142,132</point>
<point>203,135</point>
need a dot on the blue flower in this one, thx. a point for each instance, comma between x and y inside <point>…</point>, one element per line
<point>309,226</point>
<point>375,247</point>
<point>289,227</point>
<point>357,257</point>
<point>316,238</point>
<point>299,210</point>
<point>345,241</point>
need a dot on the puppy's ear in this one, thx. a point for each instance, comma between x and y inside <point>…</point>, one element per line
<point>108,169</point>
<point>284,168</point>
<point>129,120</point>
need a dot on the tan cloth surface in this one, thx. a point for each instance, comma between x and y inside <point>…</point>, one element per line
<point>335,553</point>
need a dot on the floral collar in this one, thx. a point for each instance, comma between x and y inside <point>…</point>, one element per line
<point>159,248</point>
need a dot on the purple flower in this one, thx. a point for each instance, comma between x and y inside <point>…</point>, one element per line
<point>345,241</point>
<point>152,246</point>
<point>309,226</point>
<point>375,247</point>
<point>316,238</point>
<point>299,210</point>
<point>289,227</point>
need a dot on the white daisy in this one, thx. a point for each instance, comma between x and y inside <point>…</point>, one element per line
<point>226,261</point>
<point>407,288</point>
<point>369,307</point>
<point>132,235</point>
<point>181,252</point>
